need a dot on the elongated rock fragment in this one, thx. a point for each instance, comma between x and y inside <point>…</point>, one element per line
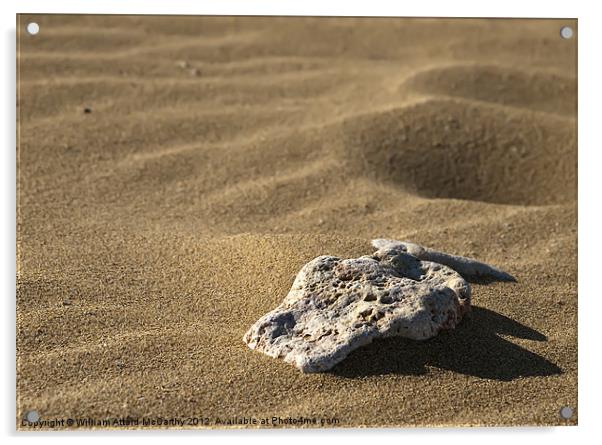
<point>337,305</point>
<point>469,268</point>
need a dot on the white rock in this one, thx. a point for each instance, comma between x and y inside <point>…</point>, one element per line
<point>337,305</point>
<point>469,268</point>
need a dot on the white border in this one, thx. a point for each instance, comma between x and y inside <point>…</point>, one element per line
<point>590,146</point>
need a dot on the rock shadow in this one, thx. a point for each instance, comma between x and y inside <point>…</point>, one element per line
<point>473,348</point>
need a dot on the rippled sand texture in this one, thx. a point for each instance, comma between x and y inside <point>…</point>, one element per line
<point>219,155</point>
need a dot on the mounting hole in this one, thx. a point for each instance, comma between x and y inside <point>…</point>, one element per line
<point>566,412</point>
<point>32,416</point>
<point>33,28</point>
<point>566,32</point>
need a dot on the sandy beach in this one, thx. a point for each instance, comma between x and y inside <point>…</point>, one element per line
<point>175,173</point>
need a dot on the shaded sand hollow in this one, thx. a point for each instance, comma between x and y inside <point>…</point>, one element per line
<point>219,155</point>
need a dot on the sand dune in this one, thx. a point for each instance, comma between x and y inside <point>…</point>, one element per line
<point>529,89</point>
<point>221,154</point>
<point>465,150</point>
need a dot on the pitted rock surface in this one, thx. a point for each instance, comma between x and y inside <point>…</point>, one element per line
<point>338,305</point>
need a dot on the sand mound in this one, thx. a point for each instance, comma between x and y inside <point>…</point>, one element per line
<point>464,150</point>
<point>531,90</point>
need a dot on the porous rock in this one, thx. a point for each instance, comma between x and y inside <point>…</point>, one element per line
<point>338,305</point>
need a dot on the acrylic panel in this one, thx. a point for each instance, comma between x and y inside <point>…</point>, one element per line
<point>197,198</point>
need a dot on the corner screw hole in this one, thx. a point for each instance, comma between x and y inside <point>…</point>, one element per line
<point>566,32</point>
<point>32,416</point>
<point>566,412</point>
<point>33,28</point>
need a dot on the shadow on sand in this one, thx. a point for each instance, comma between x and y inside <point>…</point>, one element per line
<point>473,348</point>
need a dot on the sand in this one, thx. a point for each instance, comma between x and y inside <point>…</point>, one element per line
<point>218,155</point>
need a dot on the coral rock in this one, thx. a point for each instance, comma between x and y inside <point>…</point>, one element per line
<point>338,305</point>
